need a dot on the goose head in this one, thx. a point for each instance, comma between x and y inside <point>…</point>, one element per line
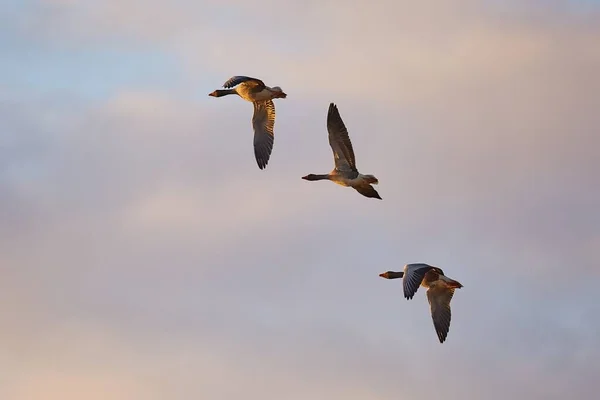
<point>221,92</point>
<point>315,177</point>
<point>391,275</point>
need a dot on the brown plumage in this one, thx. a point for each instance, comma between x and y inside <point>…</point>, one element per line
<point>263,120</point>
<point>345,172</point>
<point>440,290</point>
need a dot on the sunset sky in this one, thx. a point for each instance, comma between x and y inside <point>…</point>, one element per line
<point>144,256</point>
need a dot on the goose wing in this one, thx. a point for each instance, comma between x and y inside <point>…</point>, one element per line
<point>439,301</point>
<point>257,84</point>
<point>368,191</point>
<point>263,121</point>
<point>413,276</point>
<point>343,153</point>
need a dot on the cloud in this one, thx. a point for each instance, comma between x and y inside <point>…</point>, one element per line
<point>144,255</point>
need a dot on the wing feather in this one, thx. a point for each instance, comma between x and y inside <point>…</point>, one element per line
<point>368,191</point>
<point>263,122</point>
<point>413,276</point>
<point>439,302</point>
<point>340,143</point>
<point>236,80</point>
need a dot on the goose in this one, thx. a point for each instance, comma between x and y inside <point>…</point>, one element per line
<point>440,290</point>
<point>345,172</point>
<point>263,120</point>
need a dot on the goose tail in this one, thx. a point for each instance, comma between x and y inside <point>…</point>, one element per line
<point>370,179</point>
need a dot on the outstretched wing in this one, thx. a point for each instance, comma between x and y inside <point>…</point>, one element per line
<point>439,301</point>
<point>368,191</point>
<point>413,276</point>
<point>263,121</point>
<point>236,80</point>
<point>343,153</point>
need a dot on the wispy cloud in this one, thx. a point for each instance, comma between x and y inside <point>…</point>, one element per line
<point>144,255</point>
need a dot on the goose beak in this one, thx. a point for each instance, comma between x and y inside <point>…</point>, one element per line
<point>213,94</point>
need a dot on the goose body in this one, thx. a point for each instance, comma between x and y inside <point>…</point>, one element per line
<point>263,120</point>
<point>345,172</point>
<point>440,290</point>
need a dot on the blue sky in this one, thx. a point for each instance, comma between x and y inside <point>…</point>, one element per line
<point>143,255</point>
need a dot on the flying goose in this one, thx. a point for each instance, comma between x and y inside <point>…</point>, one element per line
<point>440,290</point>
<point>263,119</point>
<point>345,172</point>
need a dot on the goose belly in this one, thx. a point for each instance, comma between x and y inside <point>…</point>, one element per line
<point>356,182</point>
<point>247,94</point>
<point>340,180</point>
<point>263,95</point>
<point>430,278</point>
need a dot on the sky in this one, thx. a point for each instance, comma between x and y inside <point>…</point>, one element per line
<point>143,254</point>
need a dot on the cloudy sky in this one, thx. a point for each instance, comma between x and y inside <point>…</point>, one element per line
<point>143,254</point>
